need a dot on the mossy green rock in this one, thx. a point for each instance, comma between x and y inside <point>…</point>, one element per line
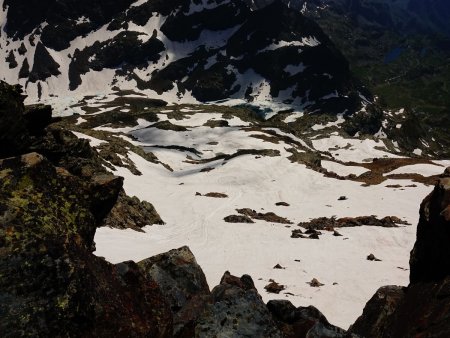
<point>51,285</point>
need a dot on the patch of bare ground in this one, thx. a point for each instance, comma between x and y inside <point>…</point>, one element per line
<point>329,223</point>
<point>378,169</point>
<point>216,124</point>
<point>213,195</point>
<point>268,216</point>
<point>266,138</point>
<point>273,136</point>
<point>240,152</point>
<point>115,150</point>
<point>238,219</point>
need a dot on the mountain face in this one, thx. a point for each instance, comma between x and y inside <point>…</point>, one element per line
<point>400,50</point>
<point>406,16</point>
<point>179,49</point>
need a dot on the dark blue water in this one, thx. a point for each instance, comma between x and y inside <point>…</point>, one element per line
<point>393,55</point>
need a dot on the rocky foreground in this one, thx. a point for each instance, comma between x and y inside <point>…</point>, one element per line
<point>54,194</point>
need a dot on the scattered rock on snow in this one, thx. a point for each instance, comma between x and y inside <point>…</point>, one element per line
<point>216,195</point>
<point>372,257</point>
<point>238,219</point>
<point>268,217</point>
<point>315,283</point>
<point>278,266</point>
<point>274,287</point>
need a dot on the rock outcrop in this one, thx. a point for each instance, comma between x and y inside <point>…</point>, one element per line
<point>14,136</point>
<point>430,258</point>
<point>302,321</point>
<point>50,282</point>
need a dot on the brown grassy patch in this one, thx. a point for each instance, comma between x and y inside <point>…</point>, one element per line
<point>268,217</point>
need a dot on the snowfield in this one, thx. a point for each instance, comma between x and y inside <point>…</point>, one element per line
<point>258,182</point>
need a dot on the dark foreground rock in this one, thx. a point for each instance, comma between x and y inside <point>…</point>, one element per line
<point>237,311</point>
<point>14,136</point>
<point>383,303</point>
<point>430,258</point>
<point>302,321</point>
<point>26,129</point>
<point>50,283</point>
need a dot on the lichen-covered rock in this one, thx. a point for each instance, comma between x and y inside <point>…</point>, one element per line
<point>38,201</point>
<point>178,275</point>
<point>237,311</point>
<point>183,285</point>
<point>130,212</point>
<point>50,283</point>
<point>302,321</point>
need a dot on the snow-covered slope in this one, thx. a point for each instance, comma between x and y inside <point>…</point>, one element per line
<point>182,51</point>
<point>258,181</point>
<point>200,152</point>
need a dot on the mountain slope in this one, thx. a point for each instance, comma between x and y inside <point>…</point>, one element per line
<point>183,50</point>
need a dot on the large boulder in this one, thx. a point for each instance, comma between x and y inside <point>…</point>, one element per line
<point>37,117</point>
<point>178,275</point>
<point>130,212</point>
<point>373,321</point>
<point>237,310</point>
<point>183,285</point>
<point>302,321</point>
